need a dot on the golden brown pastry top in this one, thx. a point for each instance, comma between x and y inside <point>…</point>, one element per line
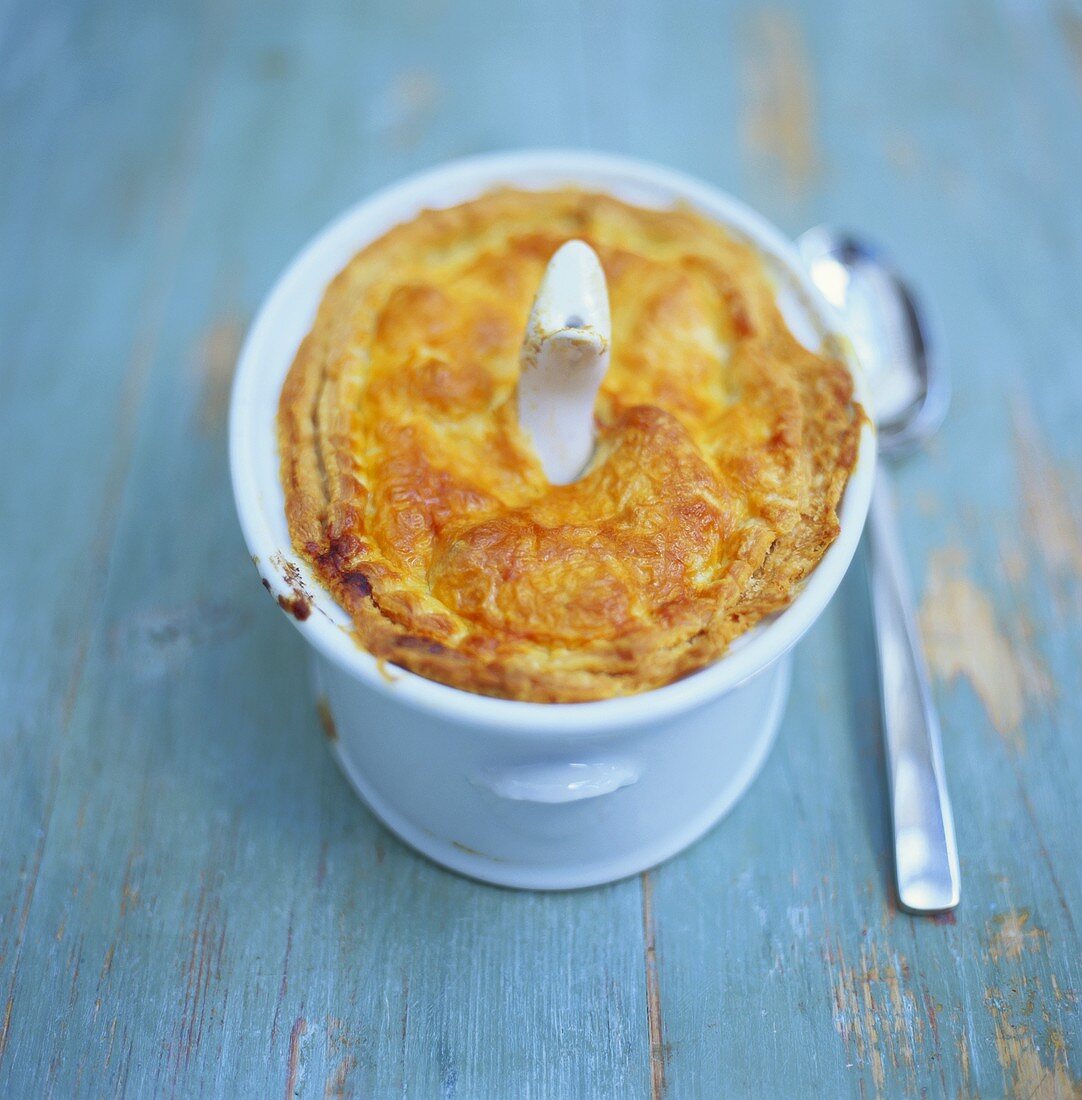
<point>724,448</point>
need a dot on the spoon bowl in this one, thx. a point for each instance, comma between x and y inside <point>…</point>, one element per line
<point>910,393</point>
<point>891,335</point>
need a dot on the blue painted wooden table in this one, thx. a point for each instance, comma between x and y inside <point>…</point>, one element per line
<point>191,900</point>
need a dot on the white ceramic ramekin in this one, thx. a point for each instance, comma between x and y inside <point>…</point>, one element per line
<point>546,796</point>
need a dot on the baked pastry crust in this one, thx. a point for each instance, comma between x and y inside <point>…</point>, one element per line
<point>724,448</point>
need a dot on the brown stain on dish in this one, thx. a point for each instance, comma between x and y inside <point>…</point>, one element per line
<point>1025,1072</point>
<point>654,1023</point>
<point>474,852</point>
<point>962,638</point>
<point>338,1081</point>
<point>1010,934</point>
<point>778,100</point>
<point>326,718</point>
<point>219,349</point>
<point>298,603</point>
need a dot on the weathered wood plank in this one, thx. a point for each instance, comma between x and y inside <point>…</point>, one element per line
<point>893,121</point>
<point>76,357</point>
<point>200,847</point>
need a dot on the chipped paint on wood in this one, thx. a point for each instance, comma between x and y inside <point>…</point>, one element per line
<point>1010,934</point>
<point>217,357</point>
<point>1053,509</point>
<point>1029,1071</point>
<point>1012,559</point>
<point>778,99</point>
<point>962,638</point>
<point>876,1013</point>
<point>654,1025</point>
<point>296,1033</point>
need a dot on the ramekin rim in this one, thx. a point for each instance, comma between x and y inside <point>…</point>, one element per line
<point>770,640</point>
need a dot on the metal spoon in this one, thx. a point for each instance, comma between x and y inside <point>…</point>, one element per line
<point>911,393</point>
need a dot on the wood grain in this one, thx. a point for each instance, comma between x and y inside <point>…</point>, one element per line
<point>191,900</point>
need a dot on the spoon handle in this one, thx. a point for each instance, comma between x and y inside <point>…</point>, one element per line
<point>925,854</point>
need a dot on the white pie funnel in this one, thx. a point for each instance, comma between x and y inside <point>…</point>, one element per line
<point>564,358</point>
<point>547,796</point>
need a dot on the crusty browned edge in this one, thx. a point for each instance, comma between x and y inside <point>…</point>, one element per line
<point>323,544</point>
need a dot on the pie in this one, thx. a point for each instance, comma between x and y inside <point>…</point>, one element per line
<point>723,450</point>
